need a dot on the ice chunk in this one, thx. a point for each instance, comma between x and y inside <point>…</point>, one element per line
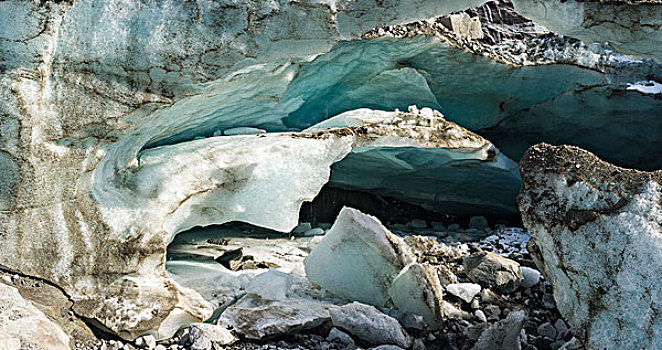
<point>272,285</point>
<point>358,258</point>
<point>417,290</point>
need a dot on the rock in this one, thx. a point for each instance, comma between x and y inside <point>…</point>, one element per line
<point>272,285</point>
<point>464,291</point>
<point>370,325</point>
<point>417,290</point>
<point>386,347</point>
<point>547,330</point>
<point>438,226</point>
<point>317,231</point>
<point>257,318</point>
<point>231,259</point>
<point>531,277</point>
<point>596,237</point>
<point>343,338</point>
<point>481,315</point>
<point>243,131</point>
<point>478,223</point>
<point>561,328</point>
<point>548,301</point>
<point>204,336</point>
<point>358,258</point>
<point>302,228</point>
<point>463,25</point>
<point>504,334</point>
<point>572,344</point>
<point>450,311</point>
<point>23,326</point>
<point>418,224</point>
<point>146,342</point>
<point>493,271</point>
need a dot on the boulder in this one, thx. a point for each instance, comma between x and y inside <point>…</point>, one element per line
<point>370,325</point>
<point>257,318</point>
<point>493,271</point>
<point>596,236</point>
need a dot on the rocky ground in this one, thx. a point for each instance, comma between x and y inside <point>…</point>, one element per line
<point>523,316</point>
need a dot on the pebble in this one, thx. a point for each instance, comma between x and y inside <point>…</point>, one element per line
<point>531,277</point>
<point>548,301</point>
<point>481,315</point>
<point>561,328</point>
<point>547,330</point>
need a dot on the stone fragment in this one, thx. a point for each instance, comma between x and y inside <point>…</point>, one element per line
<point>370,325</point>
<point>417,290</point>
<point>358,258</point>
<point>596,236</point>
<point>561,328</point>
<point>204,336</point>
<point>493,271</point>
<point>463,25</point>
<point>503,335</point>
<point>257,318</point>
<point>464,291</point>
<point>531,277</point>
<point>547,330</point>
<point>481,315</point>
<point>146,342</point>
<point>343,338</point>
<point>23,326</point>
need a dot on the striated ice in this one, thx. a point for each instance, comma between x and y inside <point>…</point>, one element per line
<point>271,285</point>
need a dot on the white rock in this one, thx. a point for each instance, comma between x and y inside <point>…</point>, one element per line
<point>464,291</point>
<point>427,112</point>
<point>146,342</point>
<point>256,318</point>
<point>531,277</point>
<point>370,325</point>
<point>481,315</point>
<point>271,285</point>
<point>358,258</point>
<point>204,336</point>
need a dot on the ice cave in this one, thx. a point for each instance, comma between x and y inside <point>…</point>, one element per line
<point>330,174</point>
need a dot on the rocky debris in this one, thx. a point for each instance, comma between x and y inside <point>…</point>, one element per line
<point>145,342</point>
<point>634,30</point>
<point>204,336</point>
<point>370,325</point>
<point>358,258</point>
<point>504,334</point>
<point>257,318</point>
<point>595,235</point>
<point>23,326</point>
<point>493,271</point>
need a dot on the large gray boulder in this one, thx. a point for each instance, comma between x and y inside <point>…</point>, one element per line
<point>596,236</point>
